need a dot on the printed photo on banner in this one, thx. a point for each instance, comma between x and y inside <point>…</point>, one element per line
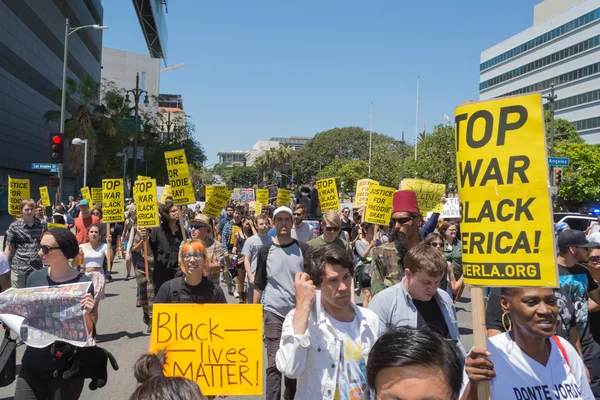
<point>247,195</point>
<point>18,189</point>
<point>507,229</point>
<point>428,194</point>
<point>146,204</point>
<point>218,346</point>
<point>379,205</point>
<point>328,195</point>
<point>272,189</point>
<point>362,191</point>
<point>44,196</point>
<point>182,189</point>
<point>113,201</point>
<point>42,315</point>
<point>85,193</point>
<point>97,195</point>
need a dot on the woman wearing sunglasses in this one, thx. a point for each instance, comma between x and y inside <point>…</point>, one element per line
<point>450,285</point>
<point>36,380</point>
<point>593,265</point>
<point>528,361</point>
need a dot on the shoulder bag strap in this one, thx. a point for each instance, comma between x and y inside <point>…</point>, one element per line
<point>561,348</point>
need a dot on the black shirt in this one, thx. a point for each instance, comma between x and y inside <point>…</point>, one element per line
<point>40,362</point>
<point>178,291</point>
<point>165,247</point>
<point>431,315</point>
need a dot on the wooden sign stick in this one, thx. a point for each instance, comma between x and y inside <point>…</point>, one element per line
<point>479,339</point>
<point>181,224</point>
<point>146,258</point>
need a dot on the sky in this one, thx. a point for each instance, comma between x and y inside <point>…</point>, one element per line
<point>262,68</point>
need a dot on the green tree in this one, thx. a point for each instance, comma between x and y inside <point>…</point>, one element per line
<point>580,179</point>
<point>564,131</point>
<point>242,177</point>
<point>436,157</point>
<point>345,172</point>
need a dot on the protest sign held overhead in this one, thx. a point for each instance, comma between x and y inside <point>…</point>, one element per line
<point>85,193</point>
<point>18,189</point>
<point>218,346</point>
<point>96,195</point>
<point>182,189</point>
<point>45,196</point>
<point>53,225</point>
<point>113,204</point>
<point>362,191</point>
<point>272,192</point>
<point>166,192</point>
<point>262,196</point>
<point>428,194</point>
<point>379,205</point>
<point>328,195</point>
<point>209,190</point>
<point>146,204</point>
<point>507,229</point>
<point>217,201</point>
<point>246,195</point>
<point>255,206</point>
<point>451,208</point>
<point>283,197</point>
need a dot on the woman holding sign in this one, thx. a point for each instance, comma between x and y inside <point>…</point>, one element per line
<point>93,253</point>
<point>528,361</point>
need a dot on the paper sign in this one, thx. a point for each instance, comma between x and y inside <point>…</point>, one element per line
<point>146,204</point>
<point>379,205</point>
<point>143,178</point>
<point>96,195</point>
<point>272,192</point>
<point>262,196</point>
<point>362,191</point>
<point>45,196</point>
<point>166,193</point>
<point>507,229</point>
<point>255,206</point>
<point>328,195</point>
<point>451,208</point>
<point>85,193</point>
<point>113,205</point>
<point>218,346</point>
<point>283,197</point>
<point>18,189</point>
<point>428,194</point>
<point>209,191</point>
<point>53,225</point>
<point>179,178</point>
<point>218,200</point>
<point>246,195</point>
<point>41,315</point>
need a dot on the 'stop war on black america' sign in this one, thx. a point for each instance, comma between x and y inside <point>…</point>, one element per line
<point>507,231</point>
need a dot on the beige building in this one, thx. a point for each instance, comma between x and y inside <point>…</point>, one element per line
<point>173,123</point>
<point>259,148</point>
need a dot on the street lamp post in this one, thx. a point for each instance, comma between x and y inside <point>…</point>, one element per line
<point>68,31</point>
<point>137,93</point>
<point>83,142</point>
<point>169,124</point>
<point>124,155</point>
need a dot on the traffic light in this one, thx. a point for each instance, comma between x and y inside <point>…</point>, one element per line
<point>558,179</point>
<point>57,147</point>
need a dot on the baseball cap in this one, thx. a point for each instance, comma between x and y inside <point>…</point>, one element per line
<point>284,210</point>
<point>561,226</point>
<point>574,238</point>
<point>84,202</point>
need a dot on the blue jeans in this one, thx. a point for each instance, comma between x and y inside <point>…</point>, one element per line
<point>250,291</point>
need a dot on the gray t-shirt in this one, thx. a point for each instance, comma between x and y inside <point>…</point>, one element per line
<point>276,268</point>
<point>252,246</point>
<point>304,233</point>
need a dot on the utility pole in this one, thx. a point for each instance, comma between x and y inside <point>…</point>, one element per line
<point>417,118</point>
<point>402,158</point>
<point>551,97</point>
<point>370,136</point>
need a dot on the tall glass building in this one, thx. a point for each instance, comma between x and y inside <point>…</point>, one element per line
<point>562,47</point>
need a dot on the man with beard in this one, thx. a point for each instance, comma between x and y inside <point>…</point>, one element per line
<point>577,282</point>
<point>277,264</point>
<point>224,221</point>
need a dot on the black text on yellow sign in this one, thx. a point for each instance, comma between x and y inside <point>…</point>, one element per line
<point>328,195</point>
<point>146,204</point>
<point>96,195</point>
<point>219,198</point>
<point>113,205</point>
<point>44,196</point>
<point>507,230</point>
<point>18,189</point>
<point>283,197</point>
<point>379,205</point>
<point>179,178</point>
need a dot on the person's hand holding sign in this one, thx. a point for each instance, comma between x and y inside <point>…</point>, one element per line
<point>305,296</point>
<point>479,369</point>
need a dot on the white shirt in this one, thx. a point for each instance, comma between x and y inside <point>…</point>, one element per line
<point>518,376</point>
<point>314,357</point>
<point>304,233</point>
<point>93,258</point>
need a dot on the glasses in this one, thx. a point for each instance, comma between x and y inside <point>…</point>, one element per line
<point>594,259</point>
<point>196,227</point>
<point>332,228</point>
<point>196,256</point>
<point>401,221</point>
<point>298,214</point>
<point>435,244</point>
<point>46,249</point>
<point>346,212</point>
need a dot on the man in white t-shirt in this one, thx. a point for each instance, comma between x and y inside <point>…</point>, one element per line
<point>325,340</point>
<point>301,231</point>
<point>250,251</point>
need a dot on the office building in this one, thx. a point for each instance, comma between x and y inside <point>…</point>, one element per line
<point>170,100</point>
<point>32,36</point>
<point>297,142</point>
<point>260,148</point>
<point>561,48</point>
<point>233,158</point>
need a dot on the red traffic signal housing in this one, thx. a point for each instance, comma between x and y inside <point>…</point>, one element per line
<point>558,172</point>
<point>56,147</point>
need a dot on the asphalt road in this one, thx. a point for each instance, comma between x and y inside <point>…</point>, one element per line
<point>122,332</point>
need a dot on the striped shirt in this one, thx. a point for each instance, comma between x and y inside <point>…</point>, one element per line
<point>26,240</point>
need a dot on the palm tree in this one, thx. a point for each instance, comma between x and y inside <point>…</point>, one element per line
<point>422,136</point>
<point>262,165</point>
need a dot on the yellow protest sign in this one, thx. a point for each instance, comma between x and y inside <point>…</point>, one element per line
<point>18,189</point>
<point>506,230</point>
<point>328,195</point>
<point>262,196</point>
<point>379,205</point>
<point>113,204</point>
<point>45,196</point>
<point>143,178</point>
<point>218,346</point>
<point>85,193</point>
<point>217,201</point>
<point>166,193</point>
<point>146,204</point>
<point>283,197</point>
<point>362,191</point>
<point>208,192</point>
<point>179,178</point>
<point>96,195</point>
<point>428,194</point>
<point>53,225</point>
<point>255,206</point>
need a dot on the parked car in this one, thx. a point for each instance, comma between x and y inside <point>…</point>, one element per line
<point>576,221</point>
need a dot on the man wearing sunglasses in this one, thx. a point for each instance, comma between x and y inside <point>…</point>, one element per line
<point>331,230</point>
<point>301,231</point>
